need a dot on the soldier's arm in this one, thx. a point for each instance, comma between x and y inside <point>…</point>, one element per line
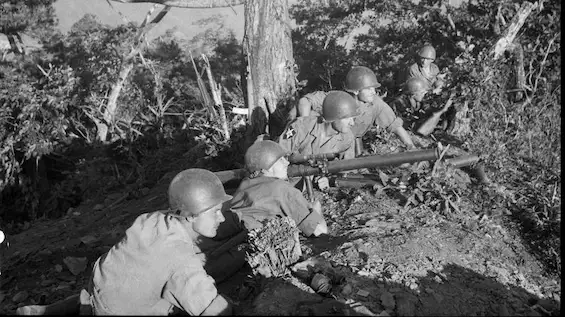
<point>193,291</point>
<point>308,218</point>
<point>386,118</point>
<point>304,107</point>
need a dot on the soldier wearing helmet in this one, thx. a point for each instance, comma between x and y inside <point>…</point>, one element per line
<point>409,104</point>
<point>330,132</point>
<point>154,269</point>
<point>425,69</point>
<point>266,193</point>
<point>410,101</point>
<point>361,82</point>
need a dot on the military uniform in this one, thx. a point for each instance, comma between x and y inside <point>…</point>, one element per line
<point>377,113</point>
<point>314,101</point>
<point>261,198</point>
<point>429,76</point>
<point>150,271</point>
<point>307,135</point>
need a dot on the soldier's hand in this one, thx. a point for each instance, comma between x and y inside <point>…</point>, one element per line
<point>316,206</point>
<point>323,183</point>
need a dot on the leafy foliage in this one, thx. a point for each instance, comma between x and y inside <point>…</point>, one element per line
<point>51,101</point>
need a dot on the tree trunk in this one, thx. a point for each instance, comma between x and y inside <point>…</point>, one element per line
<point>510,33</point>
<point>271,80</point>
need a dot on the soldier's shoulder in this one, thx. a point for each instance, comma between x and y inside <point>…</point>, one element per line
<point>298,125</point>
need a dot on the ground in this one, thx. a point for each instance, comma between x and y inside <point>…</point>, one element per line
<point>385,257</point>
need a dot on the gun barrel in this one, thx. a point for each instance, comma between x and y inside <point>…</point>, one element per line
<point>373,161</point>
<point>297,158</point>
<point>464,160</point>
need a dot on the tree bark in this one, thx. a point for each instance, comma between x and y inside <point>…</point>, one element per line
<point>195,4</point>
<point>510,33</point>
<point>271,80</point>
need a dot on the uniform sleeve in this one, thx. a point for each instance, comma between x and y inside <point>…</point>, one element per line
<point>316,101</point>
<point>385,116</point>
<point>412,71</point>
<point>296,207</point>
<point>291,136</point>
<point>190,289</point>
<point>435,72</point>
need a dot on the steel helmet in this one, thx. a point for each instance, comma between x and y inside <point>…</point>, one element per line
<point>195,190</point>
<point>360,77</point>
<point>415,84</point>
<point>338,105</point>
<point>427,51</point>
<point>262,155</point>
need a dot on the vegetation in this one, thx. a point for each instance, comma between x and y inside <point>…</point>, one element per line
<point>51,100</point>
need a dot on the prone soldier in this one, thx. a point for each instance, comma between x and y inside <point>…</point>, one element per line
<point>360,82</point>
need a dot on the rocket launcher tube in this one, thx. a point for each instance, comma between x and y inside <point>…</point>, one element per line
<point>372,161</point>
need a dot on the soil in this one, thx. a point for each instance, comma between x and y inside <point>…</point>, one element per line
<point>391,260</point>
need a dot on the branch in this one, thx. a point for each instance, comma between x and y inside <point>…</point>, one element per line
<point>193,4</point>
<point>512,30</point>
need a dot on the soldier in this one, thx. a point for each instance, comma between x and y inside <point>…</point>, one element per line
<point>361,82</point>
<point>409,104</point>
<point>267,193</point>
<point>154,269</point>
<point>329,133</point>
<point>425,69</point>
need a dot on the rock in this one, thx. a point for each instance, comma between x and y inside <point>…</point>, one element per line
<point>321,284</point>
<point>88,240</point>
<point>75,265</point>
<point>387,300</point>
<point>2,296</point>
<point>347,289</point>
<point>383,313</point>
<point>70,211</point>
<point>20,297</point>
<point>76,213</point>
<point>363,293</point>
<point>362,310</point>
<point>58,268</point>
<point>98,207</point>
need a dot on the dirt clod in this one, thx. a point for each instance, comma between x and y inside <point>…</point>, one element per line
<point>387,300</point>
<point>20,296</point>
<point>75,265</point>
